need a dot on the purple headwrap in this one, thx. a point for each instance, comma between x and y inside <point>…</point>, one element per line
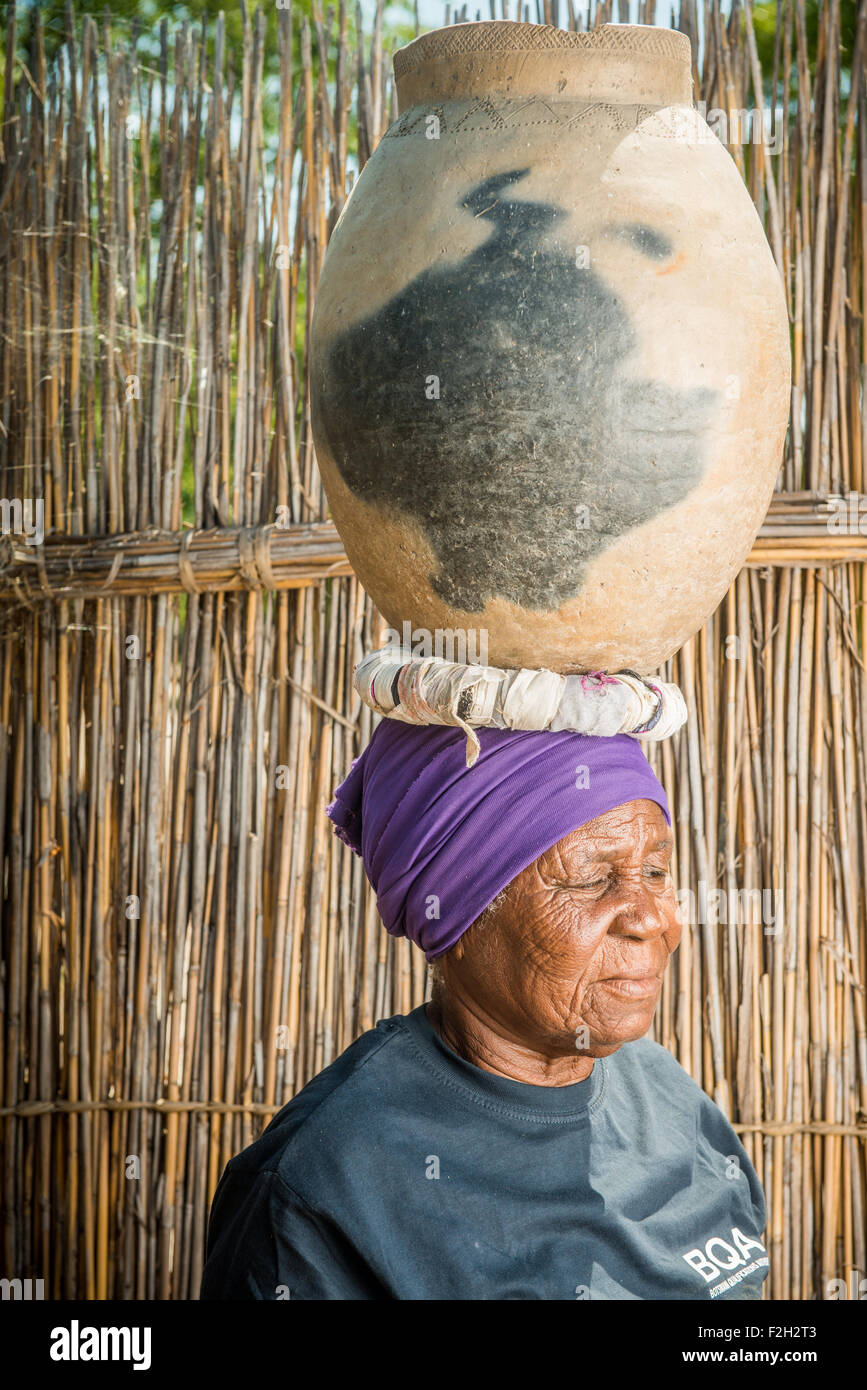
<point>440,840</point>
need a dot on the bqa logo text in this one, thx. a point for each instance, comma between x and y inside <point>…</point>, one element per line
<point>76,1343</point>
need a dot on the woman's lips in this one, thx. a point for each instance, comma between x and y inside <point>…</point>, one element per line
<point>633,986</point>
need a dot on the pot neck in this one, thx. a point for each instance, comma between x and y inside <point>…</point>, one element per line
<point>622,63</point>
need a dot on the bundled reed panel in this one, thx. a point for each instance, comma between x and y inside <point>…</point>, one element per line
<point>184,943</point>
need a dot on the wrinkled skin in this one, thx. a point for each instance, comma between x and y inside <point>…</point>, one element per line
<point>570,965</point>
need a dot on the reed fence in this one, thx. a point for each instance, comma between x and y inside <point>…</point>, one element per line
<point>184,943</point>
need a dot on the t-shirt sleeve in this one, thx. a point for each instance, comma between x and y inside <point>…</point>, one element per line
<point>266,1242</point>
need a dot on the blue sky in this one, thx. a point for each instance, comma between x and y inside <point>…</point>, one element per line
<point>432,12</point>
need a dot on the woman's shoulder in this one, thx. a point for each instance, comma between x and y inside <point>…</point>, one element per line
<point>340,1103</point>
<point>649,1068</point>
<point>649,1057</point>
<point>661,1085</point>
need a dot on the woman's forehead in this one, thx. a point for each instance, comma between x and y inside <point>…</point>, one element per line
<point>635,824</point>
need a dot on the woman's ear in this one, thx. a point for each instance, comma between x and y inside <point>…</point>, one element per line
<point>484,923</point>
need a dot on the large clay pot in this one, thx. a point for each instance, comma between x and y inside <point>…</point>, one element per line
<point>550,356</point>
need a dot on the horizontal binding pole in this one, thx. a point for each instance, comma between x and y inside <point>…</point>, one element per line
<point>801,529</point>
<point>810,553</point>
<point>29,1109</point>
<point>146,563</point>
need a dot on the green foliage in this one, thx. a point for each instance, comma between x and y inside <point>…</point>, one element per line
<point>765,16</point>
<point>125,15</point>
<point>143,19</point>
<point>146,16</point>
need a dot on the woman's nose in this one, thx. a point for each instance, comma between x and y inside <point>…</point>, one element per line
<point>644,914</point>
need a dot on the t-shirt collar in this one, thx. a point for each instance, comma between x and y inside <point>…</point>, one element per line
<point>487,1087</point>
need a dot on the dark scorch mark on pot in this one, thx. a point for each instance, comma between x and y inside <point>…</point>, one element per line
<point>642,238</point>
<point>537,418</point>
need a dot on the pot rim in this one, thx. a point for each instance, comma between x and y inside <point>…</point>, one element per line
<point>515,36</point>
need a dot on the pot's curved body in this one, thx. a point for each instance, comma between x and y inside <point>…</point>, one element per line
<point>550,362</point>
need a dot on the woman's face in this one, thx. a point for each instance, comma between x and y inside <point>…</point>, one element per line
<point>573,958</point>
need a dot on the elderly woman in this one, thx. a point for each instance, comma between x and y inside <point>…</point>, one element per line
<point>518,1137</point>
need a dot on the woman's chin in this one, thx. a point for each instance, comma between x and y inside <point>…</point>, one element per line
<point>631,1024</point>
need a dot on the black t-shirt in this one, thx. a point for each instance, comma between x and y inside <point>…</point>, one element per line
<point>403,1171</point>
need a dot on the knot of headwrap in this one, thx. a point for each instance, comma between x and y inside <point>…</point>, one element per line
<point>440,840</point>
